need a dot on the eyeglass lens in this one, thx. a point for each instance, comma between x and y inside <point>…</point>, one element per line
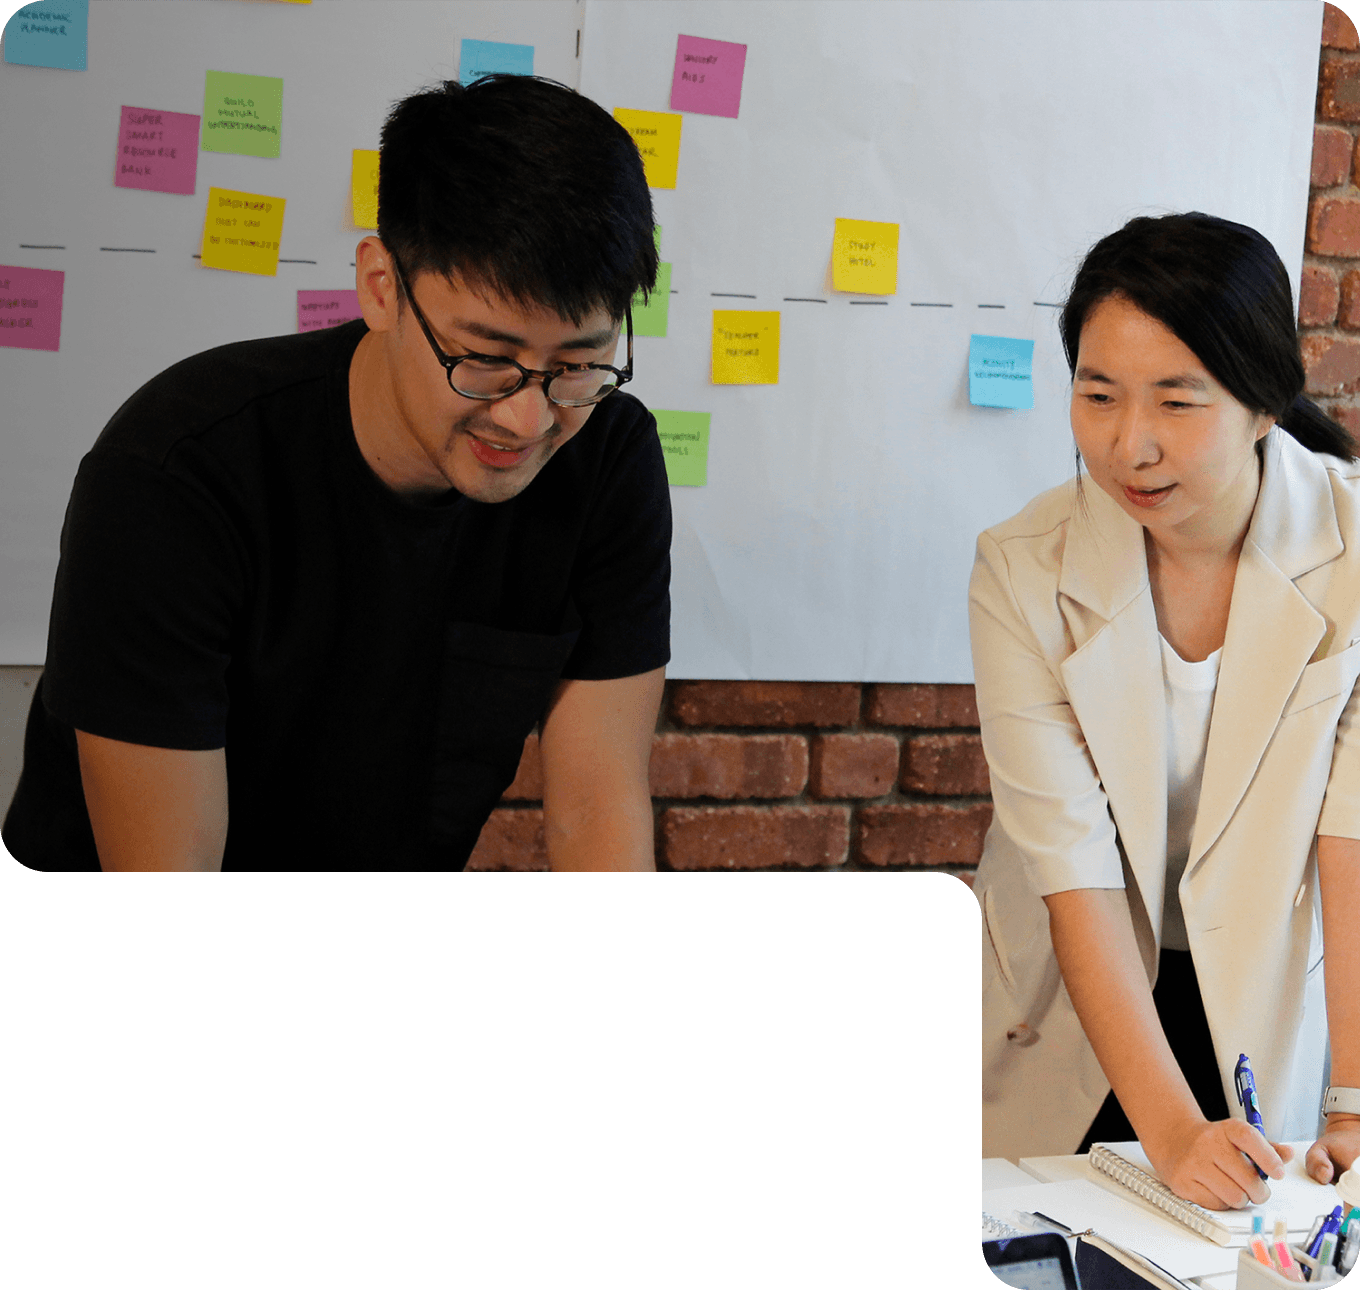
<point>481,379</point>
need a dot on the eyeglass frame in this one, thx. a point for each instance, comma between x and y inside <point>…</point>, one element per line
<point>449,361</point>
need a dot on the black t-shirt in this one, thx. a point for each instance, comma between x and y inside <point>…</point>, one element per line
<point>234,575</point>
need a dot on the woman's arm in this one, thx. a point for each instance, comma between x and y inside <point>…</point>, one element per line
<point>1201,1160</point>
<point>1339,879</point>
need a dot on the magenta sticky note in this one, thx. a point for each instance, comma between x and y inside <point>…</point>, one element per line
<point>318,309</point>
<point>157,150</point>
<point>30,307</point>
<point>707,76</point>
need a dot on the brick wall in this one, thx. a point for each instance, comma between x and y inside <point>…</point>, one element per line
<point>812,775</point>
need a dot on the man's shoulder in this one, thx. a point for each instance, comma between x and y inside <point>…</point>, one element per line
<point>238,380</point>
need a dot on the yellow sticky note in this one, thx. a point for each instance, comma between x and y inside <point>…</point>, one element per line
<point>241,231</point>
<point>363,187</point>
<point>864,257</point>
<point>657,135</point>
<point>745,347</point>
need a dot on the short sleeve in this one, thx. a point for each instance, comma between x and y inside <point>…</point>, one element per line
<point>621,582</point>
<point>1340,816</point>
<point>1045,789</point>
<point>147,591</point>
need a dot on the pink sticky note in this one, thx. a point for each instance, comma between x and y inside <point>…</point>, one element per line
<point>157,150</point>
<point>707,76</point>
<point>30,307</point>
<point>318,309</point>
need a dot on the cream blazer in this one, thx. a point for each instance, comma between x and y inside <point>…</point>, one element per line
<point>1069,687</point>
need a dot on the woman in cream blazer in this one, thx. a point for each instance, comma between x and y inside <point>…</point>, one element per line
<point>1065,622</point>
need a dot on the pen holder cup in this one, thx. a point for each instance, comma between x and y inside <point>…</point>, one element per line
<point>1253,1275</point>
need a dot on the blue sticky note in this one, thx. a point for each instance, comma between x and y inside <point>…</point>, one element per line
<point>49,35</point>
<point>1000,372</point>
<point>480,58</point>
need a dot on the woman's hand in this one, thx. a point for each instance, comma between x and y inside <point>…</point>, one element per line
<point>1336,1150</point>
<point>1203,1161</point>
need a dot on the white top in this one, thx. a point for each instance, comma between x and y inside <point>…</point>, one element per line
<point>1189,704</point>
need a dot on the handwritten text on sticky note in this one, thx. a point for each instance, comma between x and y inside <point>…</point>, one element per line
<point>363,187</point>
<point>864,257</point>
<point>745,347</point>
<point>478,58</point>
<point>707,76</point>
<point>319,309</point>
<point>684,444</point>
<point>242,114</point>
<point>657,135</point>
<point>157,150</point>
<point>241,231</point>
<point>30,307</point>
<point>49,35</point>
<point>651,318</point>
<point>1000,372</point>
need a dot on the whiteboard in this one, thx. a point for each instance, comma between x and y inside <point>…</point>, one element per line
<point>834,537</point>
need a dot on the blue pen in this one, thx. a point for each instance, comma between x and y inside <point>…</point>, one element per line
<point>1246,1096</point>
<point>1330,1224</point>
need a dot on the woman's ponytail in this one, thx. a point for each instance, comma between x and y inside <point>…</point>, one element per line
<point>1316,431</point>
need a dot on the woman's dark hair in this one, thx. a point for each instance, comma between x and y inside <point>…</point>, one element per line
<point>1221,289</point>
<point>520,186</point>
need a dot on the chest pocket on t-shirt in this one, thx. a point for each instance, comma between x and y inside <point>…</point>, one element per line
<point>493,690</point>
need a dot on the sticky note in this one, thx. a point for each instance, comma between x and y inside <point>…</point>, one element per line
<point>478,58</point>
<point>745,347</point>
<point>650,319</point>
<point>864,257</point>
<point>241,231</point>
<point>320,309</point>
<point>363,187</point>
<point>684,444</point>
<point>30,307</point>
<point>157,150</point>
<point>49,35</point>
<point>707,76</point>
<point>1000,372</point>
<point>242,114</point>
<point>657,135</point>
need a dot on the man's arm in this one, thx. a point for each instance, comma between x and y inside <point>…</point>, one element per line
<point>596,746</point>
<point>154,808</point>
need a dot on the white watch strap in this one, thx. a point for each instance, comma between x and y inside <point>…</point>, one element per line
<point>1345,1100</point>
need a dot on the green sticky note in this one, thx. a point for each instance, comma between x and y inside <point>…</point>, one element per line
<point>684,441</point>
<point>656,237</point>
<point>650,319</point>
<point>242,114</point>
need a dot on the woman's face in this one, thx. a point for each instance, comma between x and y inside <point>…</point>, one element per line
<point>1158,433</point>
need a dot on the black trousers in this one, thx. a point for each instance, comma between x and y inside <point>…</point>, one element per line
<point>1181,1011</point>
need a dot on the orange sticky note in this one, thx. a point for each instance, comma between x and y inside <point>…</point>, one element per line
<point>241,232</point>
<point>657,135</point>
<point>864,257</point>
<point>363,187</point>
<point>745,347</point>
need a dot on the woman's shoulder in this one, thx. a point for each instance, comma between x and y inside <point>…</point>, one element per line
<point>1041,517</point>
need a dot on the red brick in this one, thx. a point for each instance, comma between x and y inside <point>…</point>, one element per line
<point>1338,31</point>
<point>528,785</point>
<point>764,703</point>
<point>853,765</point>
<point>1348,417</point>
<point>1333,366</point>
<point>1332,149</point>
<point>755,837</point>
<point>729,765</point>
<point>1334,226</point>
<point>1339,90</point>
<point>1318,296</point>
<point>927,706</point>
<point>922,833</point>
<point>1348,314</point>
<point>511,840</point>
<point>952,765</point>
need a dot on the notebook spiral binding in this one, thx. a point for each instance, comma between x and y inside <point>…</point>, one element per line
<point>1154,1190</point>
<point>995,1230</point>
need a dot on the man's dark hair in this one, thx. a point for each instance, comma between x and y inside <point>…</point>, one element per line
<point>1221,289</point>
<point>519,186</point>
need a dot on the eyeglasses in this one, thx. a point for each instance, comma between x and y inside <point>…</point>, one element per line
<point>490,376</point>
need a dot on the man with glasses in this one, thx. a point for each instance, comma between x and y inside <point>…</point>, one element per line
<point>316,590</point>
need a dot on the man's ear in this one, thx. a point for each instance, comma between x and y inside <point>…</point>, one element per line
<point>376,282</point>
